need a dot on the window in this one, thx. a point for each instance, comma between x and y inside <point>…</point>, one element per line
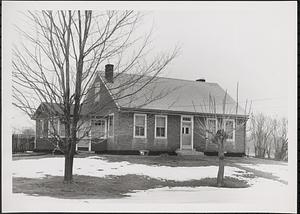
<point>62,130</point>
<point>97,91</point>
<point>98,129</point>
<point>229,129</point>
<point>187,130</point>
<point>53,127</point>
<point>212,127</point>
<point>41,131</point>
<point>140,125</point>
<point>186,118</point>
<point>161,126</point>
<point>111,125</point>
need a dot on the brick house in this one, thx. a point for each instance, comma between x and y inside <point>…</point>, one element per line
<point>164,116</point>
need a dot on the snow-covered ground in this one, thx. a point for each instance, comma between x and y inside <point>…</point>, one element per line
<point>99,167</point>
<point>263,195</point>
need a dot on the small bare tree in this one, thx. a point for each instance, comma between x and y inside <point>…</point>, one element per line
<point>60,58</point>
<point>219,134</point>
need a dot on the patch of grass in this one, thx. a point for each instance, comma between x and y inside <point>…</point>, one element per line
<point>161,160</point>
<point>34,156</point>
<point>255,161</point>
<point>86,187</point>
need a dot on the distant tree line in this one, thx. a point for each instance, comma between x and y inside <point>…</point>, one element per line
<point>269,137</point>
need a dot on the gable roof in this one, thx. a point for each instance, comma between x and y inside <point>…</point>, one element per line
<point>161,94</point>
<point>54,108</point>
<point>169,94</point>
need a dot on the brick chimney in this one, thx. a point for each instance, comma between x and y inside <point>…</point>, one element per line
<point>109,73</point>
<point>200,80</point>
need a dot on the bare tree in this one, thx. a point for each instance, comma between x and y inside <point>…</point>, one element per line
<point>269,136</point>
<point>61,57</point>
<point>280,139</point>
<point>219,132</point>
<point>260,134</point>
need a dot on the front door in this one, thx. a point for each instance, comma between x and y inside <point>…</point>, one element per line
<point>186,133</point>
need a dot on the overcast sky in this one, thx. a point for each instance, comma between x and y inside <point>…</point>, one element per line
<point>251,43</point>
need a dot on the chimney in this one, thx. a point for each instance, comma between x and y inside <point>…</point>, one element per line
<point>109,73</point>
<point>200,80</point>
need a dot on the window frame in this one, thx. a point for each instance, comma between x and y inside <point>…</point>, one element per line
<point>207,127</point>
<point>233,133</point>
<point>93,124</point>
<point>166,127</point>
<point>145,128</point>
<point>50,127</point>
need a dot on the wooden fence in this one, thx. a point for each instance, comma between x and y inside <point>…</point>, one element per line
<point>22,143</point>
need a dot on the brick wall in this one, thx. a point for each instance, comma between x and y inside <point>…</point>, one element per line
<point>200,144</point>
<point>240,137</point>
<point>124,139</point>
<point>105,106</point>
<point>44,144</point>
<point>99,145</point>
<point>199,141</point>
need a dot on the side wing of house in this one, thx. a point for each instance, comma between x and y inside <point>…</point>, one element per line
<point>95,126</point>
<point>46,127</point>
<point>100,112</point>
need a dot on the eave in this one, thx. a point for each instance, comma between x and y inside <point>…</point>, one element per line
<point>172,112</point>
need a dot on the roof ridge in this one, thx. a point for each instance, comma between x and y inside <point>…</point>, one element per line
<point>163,77</point>
<point>186,80</point>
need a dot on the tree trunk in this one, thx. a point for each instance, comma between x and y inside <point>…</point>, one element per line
<point>68,176</point>
<point>221,164</point>
<point>69,157</point>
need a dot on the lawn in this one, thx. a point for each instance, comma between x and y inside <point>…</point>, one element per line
<point>88,187</point>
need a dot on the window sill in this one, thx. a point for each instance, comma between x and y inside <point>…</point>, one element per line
<point>161,138</point>
<point>140,137</point>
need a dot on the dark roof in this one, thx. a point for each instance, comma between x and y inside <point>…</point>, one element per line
<point>169,94</point>
<point>54,107</point>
